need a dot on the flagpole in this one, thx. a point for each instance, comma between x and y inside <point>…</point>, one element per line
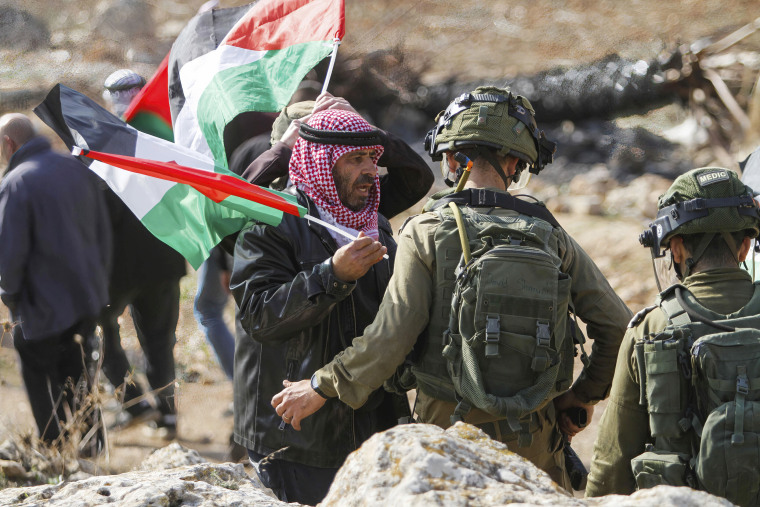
<point>333,228</point>
<point>336,43</point>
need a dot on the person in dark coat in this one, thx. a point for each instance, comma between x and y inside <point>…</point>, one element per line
<point>303,292</point>
<point>146,278</point>
<point>55,256</point>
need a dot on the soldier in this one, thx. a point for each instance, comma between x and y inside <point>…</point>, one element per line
<point>682,371</point>
<point>526,340</point>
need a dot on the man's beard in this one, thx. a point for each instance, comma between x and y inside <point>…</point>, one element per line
<point>345,188</point>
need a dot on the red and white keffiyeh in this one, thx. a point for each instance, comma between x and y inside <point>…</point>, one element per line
<point>311,166</point>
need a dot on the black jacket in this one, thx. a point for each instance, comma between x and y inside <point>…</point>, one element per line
<point>295,316</point>
<point>55,241</point>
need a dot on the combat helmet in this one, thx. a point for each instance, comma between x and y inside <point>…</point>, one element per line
<point>708,200</point>
<point>488,119</point>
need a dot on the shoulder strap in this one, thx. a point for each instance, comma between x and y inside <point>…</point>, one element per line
<point>481,197</point>
<point>673,310</point>
<point>675,303</point>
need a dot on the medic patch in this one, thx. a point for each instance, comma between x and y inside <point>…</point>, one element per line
<point>708,178</point>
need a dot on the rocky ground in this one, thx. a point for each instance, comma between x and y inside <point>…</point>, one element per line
<point>431,42</point>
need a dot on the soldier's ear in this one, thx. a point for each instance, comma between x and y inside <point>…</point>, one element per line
<point>680,254</point>
<point>744,249</point>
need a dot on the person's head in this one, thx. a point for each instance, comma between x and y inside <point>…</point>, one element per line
<point>334,162</point>
<point>120,88</point>
<point>706,219</point>
<point>15,130</point>
<point>493,128</point>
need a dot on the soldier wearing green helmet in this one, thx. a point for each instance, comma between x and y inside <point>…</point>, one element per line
<point>680,410</point>
<point>529,341</point>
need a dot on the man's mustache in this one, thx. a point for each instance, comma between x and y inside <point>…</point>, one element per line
<point>364,179</point>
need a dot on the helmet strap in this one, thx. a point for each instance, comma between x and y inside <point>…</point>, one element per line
<point>490,156</point>
<point>731,242</point>
<point>697,254</point>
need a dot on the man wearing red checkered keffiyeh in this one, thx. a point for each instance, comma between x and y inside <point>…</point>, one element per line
<point>334,162</point>
<point>303,292</point>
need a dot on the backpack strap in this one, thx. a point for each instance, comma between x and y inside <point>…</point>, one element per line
<point>462,232</point>
<point>671,307</point>
<point>481,197</point>
<point>742,388</point>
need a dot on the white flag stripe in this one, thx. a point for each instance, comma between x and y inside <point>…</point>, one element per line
<point>195,76</point>
<point>139,192</point>
<point>160,150</point>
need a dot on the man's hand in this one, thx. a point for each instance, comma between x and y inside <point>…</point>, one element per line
<point>563,403</point>
<point>327,101</point>
<point>291,133</point>
<point>352,261</point>
<point>297,402</point>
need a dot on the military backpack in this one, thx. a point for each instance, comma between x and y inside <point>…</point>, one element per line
<point>508,347</point>
<point>700,381</point>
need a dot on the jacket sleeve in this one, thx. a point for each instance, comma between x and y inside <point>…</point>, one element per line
<point>15,239</point>
<point>623,430</point>
<point>605,315</point>
<point>409,177</point>
<point>269,166</point>
<point>404,313</point>
<point>277,294</point>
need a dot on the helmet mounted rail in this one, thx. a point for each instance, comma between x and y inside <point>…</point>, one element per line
<point>545,148</point>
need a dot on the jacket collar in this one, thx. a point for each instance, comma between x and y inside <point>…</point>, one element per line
<point>29,148</point>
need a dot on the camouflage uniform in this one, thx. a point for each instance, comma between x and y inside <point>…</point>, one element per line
<point>405,313</point>
<point>704,206</point>
<point>624,427</point>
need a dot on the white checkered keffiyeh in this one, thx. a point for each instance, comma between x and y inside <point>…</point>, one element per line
<point>311,169</point>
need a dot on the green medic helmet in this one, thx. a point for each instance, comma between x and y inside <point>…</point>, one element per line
<point>705,200</point>
<point>491,117</point>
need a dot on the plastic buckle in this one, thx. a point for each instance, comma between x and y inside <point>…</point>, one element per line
<point>543,333</point>
<point>493,328</point>
<point>742,384</point>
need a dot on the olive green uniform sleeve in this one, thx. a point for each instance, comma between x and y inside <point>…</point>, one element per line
<point>372,358</point>
<point>623,430</point>
<point>604,313</point>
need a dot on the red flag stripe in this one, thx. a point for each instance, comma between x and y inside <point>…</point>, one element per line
<point>154,96</point>
<point>278,24</point>
<point>214,185</point>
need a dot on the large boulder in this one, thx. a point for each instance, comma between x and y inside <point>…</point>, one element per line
<point>21,31</point>
<point>423,465</point>
<point>160,481</point>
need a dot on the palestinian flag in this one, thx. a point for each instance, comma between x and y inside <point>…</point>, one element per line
<point>201,35</point>
<point>193,217</point>
<point>257,67</point>
<point>149,111</point>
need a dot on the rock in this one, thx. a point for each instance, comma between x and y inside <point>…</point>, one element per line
<point>171,456</point>
<point>662,496</point>
<point>423,465</point>
<point>21,31</point>
<point>9,450</point>
<point>637,199</point>
<point>13,470</point>
<point>597,181</point>
<point>203,485</point>
<point>125,20</point>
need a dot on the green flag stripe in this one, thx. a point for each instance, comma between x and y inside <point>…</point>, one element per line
<point>263,85</point>
<point>182,217</point>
